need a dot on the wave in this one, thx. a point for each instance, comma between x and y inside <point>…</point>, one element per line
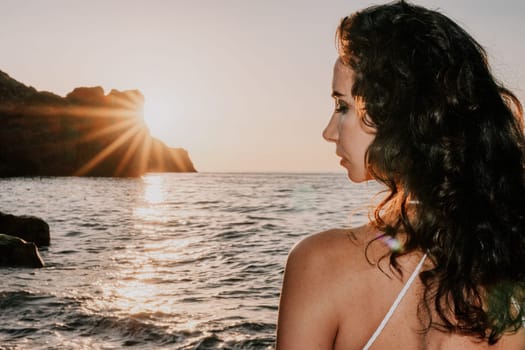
<point>253,338</point>
<point>262,218</point>
<point>68,316</point>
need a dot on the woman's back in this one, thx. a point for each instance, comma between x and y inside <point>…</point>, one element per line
<point>353,294</point>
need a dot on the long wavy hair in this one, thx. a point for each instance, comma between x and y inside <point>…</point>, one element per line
<point>450,147</point>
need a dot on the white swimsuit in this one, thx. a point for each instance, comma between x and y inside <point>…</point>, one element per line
<point>398,301</point>
<point>395,304</point>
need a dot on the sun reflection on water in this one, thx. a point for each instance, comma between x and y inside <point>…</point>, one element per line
<point>147,289</point>
<point>155,277</point>
<point>155,189</point>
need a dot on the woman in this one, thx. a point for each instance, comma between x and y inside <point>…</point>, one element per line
<point>442,263</point>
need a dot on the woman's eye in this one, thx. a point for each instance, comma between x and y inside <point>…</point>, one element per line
<point>340,107</point>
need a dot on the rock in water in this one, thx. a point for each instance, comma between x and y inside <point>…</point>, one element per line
<point>29,228</point>
<point>16,252</point>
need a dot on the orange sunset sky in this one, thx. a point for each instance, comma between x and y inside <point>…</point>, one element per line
<point>243,85</point>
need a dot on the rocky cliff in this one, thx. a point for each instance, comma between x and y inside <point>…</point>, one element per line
<point>86,133</point>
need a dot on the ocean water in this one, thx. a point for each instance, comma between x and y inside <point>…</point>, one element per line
<point>166,261</point>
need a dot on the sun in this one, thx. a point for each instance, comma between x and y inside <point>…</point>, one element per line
<point>158,112</point>
<point>161,113</point>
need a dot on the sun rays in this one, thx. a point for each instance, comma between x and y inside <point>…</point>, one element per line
<point>132,134</point>
<point>123,126</point>
<point>92,134</point>
<point>141,149</point>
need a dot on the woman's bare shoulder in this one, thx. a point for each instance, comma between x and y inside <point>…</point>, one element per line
<point>339,261</point>
<point>315,277</point>
<point>339,247</point>
<point>326,274</point>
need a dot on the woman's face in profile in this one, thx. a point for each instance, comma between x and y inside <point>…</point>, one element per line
<point>346,127</point>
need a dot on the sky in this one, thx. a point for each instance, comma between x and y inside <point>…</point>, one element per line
<point>243,85</point>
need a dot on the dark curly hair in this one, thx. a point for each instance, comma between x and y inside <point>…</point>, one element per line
<point>449,138</point>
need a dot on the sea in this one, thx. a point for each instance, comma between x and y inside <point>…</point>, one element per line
<point>164,261</point>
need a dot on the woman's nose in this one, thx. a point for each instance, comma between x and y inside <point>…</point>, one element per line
<point>330,133</point>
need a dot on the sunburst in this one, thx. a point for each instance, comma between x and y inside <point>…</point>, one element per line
<point>130,128</point>
<point>111,140</point>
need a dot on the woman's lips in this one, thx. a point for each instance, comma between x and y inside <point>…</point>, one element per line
<point>343,159</point>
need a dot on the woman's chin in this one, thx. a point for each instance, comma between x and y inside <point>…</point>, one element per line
<point>357,178</point>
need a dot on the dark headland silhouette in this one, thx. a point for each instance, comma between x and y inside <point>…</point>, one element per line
<point>85,133</point>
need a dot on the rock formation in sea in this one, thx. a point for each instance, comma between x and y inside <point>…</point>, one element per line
<point>20,237</point>
<point>28,228</point>
<point>86,133</point>
<point>15,252</point>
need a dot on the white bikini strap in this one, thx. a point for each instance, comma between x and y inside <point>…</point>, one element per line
<point>395,304</point>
